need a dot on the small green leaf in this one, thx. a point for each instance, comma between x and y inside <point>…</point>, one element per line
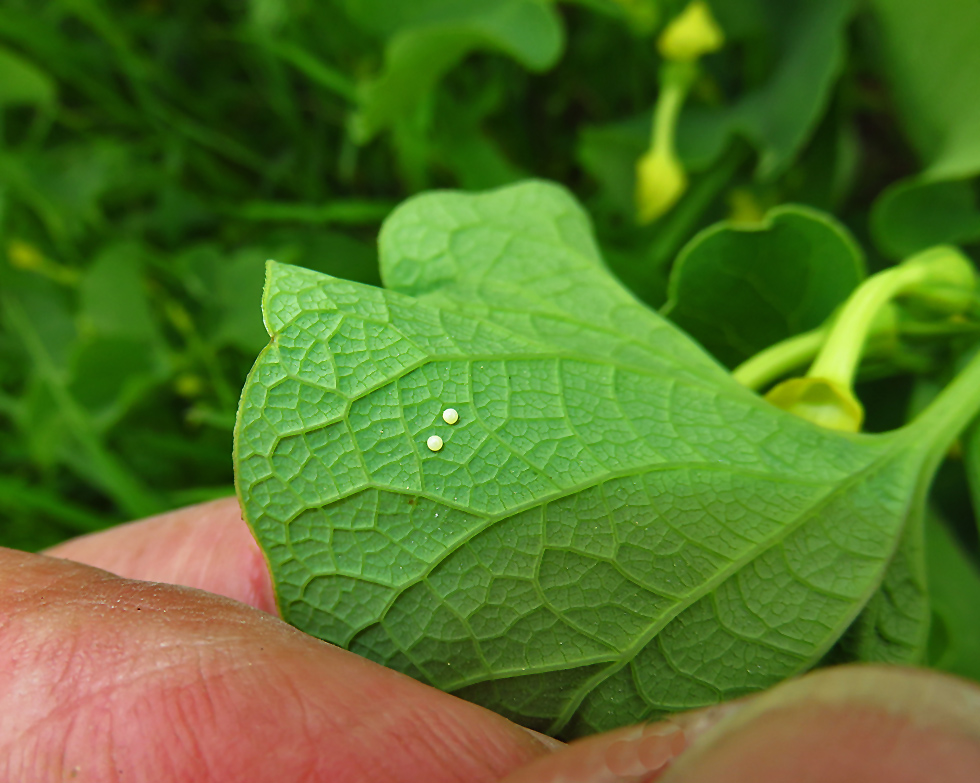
<point>971,462</point>
<point>932,64</point>
<point>613,529</point>
<point>894,626</point>
<point>121,351</point>
<point>237,289</point>
<point>954,586</point>
<point>917,213</point>
<point>21,81</point>
<point>437,36</point>
<point>802,44</point>
<point>113,295</point>
<point>109,374</point>
<point>806,40</point>
<point>609,154</point>
<point>738,289</point>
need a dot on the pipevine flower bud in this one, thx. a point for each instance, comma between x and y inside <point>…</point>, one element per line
<point>821,401</point>
<point>691,34</point>
<point>660,182</point>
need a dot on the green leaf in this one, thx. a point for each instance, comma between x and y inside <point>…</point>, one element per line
<point>23,82</point>
<point>105,470</point>
<point>228,286</point>
<point>806,40</point>
<point>971,462</point>
<point>121,352</point>
<point>432,37</point>
<point>894,626</point>
<point>738,289</point>
<point>802,46</point>
<point>113,296</point>
<point>932,64</point>
<point>110,374</point>
<point>917,213</point>
<point>609,153</point>
<point>954,585</point>
<point>613,529</point>
<point>65,185</point>
<point>551,283</point>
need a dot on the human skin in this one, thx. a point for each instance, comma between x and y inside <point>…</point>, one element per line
<point>166,662</point>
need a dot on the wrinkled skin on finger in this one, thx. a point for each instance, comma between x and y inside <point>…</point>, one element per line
<point>125,676</point>
<point>110,679</point>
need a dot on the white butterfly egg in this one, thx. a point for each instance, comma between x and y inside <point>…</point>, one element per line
<point>450,415</point>
<point>434,443</point>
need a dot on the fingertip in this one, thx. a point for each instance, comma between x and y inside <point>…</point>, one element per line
<point>867,724</point>
<point>627,755</point>
<point>873,724</point>
<point>207,546</point>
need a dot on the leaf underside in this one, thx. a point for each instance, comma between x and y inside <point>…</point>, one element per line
<point>613,530</point>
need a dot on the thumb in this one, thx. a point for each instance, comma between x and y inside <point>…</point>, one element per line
<point>207,546</point>
<point>103,678</point>
<point>852,724</point>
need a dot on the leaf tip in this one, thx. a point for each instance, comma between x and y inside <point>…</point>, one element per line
<point>275,273</point>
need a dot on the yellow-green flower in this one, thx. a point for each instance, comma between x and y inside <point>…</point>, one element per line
<point>826,403</point>
<point>24,255</point>
<point>693,33</point>
<point>660,182</point>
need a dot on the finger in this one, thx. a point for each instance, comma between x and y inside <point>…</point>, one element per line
<point>867,724</point>
<point>108,679</point>
<point>852,724</point>
<point>207,546</point>
<point>634,754</point>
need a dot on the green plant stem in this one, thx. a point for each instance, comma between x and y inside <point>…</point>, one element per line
<point>839,357</point>
<point>782,358</point>
<point>309,65</point>
<point>971,461</point>
<point>951,412</point>
<point>779,359</point>
<point>675,81</point>
<point>675,228</point>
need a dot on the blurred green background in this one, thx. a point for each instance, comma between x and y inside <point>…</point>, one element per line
<point>153,154</point>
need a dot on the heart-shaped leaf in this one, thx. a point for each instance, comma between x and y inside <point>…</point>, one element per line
<point>614,528</point>
<point>738,289</point>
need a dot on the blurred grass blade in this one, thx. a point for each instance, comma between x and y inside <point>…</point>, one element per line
<point>23,82</point>
<point>343,211</point>
<point>125,489</point>
<point>314,68</point>
<point>19,497</point>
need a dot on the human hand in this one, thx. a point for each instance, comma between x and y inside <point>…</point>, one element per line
<point>103,679</point>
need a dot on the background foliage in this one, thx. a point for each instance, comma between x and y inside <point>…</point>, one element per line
<point>152,156</point>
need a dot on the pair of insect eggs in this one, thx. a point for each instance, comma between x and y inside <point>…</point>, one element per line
<point>450,416</point>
